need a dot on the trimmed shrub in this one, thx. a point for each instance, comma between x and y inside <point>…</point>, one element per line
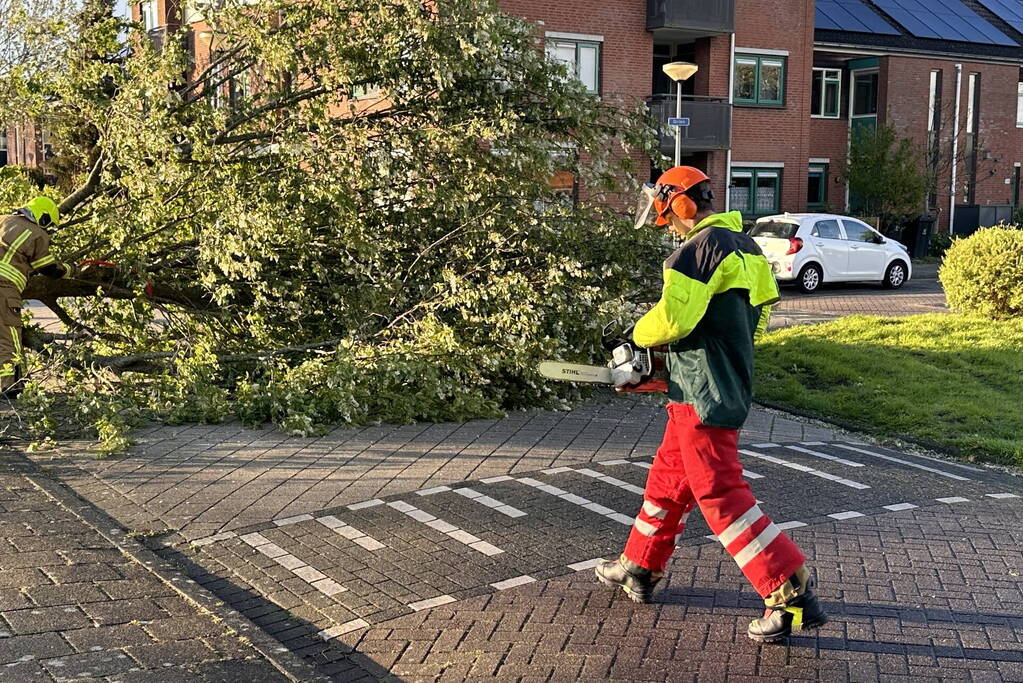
<point>983,273</point>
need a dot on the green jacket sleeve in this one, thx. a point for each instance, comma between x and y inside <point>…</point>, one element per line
<point>683,304</point>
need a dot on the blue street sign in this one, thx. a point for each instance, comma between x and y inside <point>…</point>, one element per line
<point>679,123</point>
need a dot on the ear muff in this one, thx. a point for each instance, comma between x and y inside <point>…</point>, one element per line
<point>682,206</point>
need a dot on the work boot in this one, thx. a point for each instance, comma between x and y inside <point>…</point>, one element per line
<point>637,582</point>
<point>801,613</point>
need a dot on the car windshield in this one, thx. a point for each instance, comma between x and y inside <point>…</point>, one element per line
<point>782,229</point>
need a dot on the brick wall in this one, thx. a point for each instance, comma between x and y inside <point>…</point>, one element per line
<point>908,90</point>
<point>783,134</point>
<point>829,140</point>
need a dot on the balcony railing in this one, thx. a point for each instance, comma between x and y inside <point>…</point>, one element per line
<point>690,18</point>
<point>710,122</point>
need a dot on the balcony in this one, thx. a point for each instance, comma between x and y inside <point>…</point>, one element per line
<point>684,20</point>
<point>710,122</point>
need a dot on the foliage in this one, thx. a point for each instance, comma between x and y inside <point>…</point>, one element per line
<point>949,379</point>
<point>884,173</point>
<point>940,243</point>
<point>290,250</point>
<point>983,273</point>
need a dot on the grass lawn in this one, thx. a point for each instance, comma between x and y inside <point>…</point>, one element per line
<point>953,380</point>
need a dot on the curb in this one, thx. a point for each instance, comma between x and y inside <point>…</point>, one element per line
<point>285,661</point>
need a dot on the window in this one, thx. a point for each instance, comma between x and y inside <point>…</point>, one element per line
<point>759,80</point>
<point>858,232</point>
<point>148,15</point>
<point>817,186</point>
<point>828,230</point>
<point>826,94</point>
<point>1019,105</point>
<point>934,136</point>
<point>865,94</point>
<point>780,229</point>
<point>3,147</point>
<point>582,59</point>
<point>756,191</point>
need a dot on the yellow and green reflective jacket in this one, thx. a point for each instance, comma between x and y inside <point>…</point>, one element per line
<point>718,290</point>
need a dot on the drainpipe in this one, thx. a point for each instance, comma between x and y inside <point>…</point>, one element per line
<point>955,149</point>
<point>731,101</point>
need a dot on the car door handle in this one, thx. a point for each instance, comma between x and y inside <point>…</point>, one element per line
<point>854,247</point>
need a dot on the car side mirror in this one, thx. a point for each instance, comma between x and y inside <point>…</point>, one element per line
<point>879,239</point>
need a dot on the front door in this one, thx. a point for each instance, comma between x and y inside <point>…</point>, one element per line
<point>866,255</point>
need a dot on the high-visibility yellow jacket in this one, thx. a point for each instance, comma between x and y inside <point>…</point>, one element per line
<point>24,249</point>
<point>716,299</point>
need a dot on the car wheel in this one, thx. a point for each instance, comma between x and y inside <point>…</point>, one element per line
<point>810,278</point>
<point>895,276</point>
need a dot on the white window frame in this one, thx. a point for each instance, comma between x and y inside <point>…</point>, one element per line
<point>579,42</point>
<point>852,92</point>
<point>148,14</point>
<point>837,79</point>
<point>1019,104</point>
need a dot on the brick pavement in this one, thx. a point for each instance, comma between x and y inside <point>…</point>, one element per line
<point>360,589</point>
<point>74,607</point>
<point>931,594</point>
<point>199,480</point>
<point>922,294</point>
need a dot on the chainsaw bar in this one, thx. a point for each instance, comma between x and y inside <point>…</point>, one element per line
<point>569,372</point>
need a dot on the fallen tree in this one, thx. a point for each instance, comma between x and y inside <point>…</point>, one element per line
<point>343,215</point>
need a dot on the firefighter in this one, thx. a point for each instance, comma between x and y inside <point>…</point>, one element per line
<point>24,250</point>
<point>718,289</point>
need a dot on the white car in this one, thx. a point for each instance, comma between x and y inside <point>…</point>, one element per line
<point>809,249</point>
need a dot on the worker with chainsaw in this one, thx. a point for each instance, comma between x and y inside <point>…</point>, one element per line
<point>717,294</point>
<point>24,250</point>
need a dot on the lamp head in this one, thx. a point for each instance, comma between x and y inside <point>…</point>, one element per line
<point>680,71</point>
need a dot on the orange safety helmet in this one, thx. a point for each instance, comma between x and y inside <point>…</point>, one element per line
<point>671,193</point>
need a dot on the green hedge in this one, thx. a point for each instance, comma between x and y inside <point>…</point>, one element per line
<point>983,273</point>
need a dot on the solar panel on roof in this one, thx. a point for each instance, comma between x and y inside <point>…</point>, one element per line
<point>851,15</point>
<point>943,19</point>
<point>1009,11</point>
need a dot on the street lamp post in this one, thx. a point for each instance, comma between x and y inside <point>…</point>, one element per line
<point>679,72</point>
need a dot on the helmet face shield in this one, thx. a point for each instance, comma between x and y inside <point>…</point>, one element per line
<point>645,213</point>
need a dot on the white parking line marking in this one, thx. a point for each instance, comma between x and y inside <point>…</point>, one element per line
<point>366,504</point>
<point>587,564</point>
<point>492,503</point>
<point>434,490</point>
<point>494,480</point>
<point>292,520</point>
<point>313,577</point>
<point>432,602</point>
<point>766,445</point>
<point>809,470</point>
<point>751,475</point>
<point>512,583</point>
<point>915,455</point>
<point>899,507</point>
<point>474,542</point>
<point>953,499</point>
<point>351,533</point>
<point>825,456</point>
<point>577,500</point>
<point>613,462</point>
<point>1002,495</point>
<point>850,514</point>
<point>624,485</point>
<point>341,629</point>
<point>907,463</point>
<point>644,465</point>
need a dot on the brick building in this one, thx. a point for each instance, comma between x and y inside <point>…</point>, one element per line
<point>783,83</point>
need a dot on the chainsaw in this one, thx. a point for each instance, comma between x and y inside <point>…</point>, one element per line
<point>631,369</point>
